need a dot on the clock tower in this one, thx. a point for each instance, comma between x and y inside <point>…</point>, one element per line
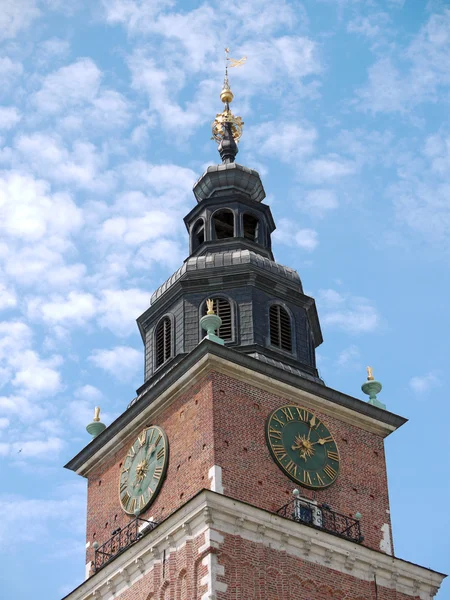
<point>236,473</point>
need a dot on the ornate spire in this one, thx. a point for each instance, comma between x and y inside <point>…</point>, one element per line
<point>226,128</point>
<point>372,387</point>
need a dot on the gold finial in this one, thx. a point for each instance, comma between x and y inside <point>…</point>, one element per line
<point>370,376</point>
<point>96,414</point>
<point>226,95</point>
<point>210,307</point>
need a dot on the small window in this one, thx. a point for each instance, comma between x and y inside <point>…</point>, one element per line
<point>251,226</point>
<point>280,328</point>
<point>198,234</point>
<point>223,224</point>
<point>222,308</point>
<point>163,341</point>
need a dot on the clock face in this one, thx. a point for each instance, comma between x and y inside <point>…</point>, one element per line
<point>302,446</point>
<point>143,470</point>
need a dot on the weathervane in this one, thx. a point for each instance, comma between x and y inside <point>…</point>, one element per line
<point>226,128</point>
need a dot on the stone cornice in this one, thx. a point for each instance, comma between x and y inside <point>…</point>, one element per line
<point>208,357</point>
<point>209,512</point>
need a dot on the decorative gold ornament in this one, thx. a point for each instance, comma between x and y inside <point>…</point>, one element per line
<point>370,376</point>
<point>226,95</point>
<point>96,414</point>
<point>218,129</point>
<point>210,307</point>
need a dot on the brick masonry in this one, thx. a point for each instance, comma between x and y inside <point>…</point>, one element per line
<point>221,421</point>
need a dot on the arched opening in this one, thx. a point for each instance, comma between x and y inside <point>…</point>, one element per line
<point>251,228</point>
<point>223,221</point>
<point>163,337</point>
<point>198,234</point>
<point>222,308</point>
<point>280,328</point>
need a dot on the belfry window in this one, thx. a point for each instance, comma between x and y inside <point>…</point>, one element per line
<point>163,338</point>
<point>198,234</point>
<point>222,308</point>
<point>280,328</point>
<point>251,227</point>
<point>223,224</point>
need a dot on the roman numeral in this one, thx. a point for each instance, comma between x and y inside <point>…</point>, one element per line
<point>142,437</point>
<point>275,433</point>
<point>279,451</point>
<point>333,455</point>
<point>291,467</point>
<point>141,501</point>
<point>330,471</point>
<point>278,420</point>
<point>160,454</point>
<point>157,474</point>
<point>125,499</point>
<point>303,414</point>
<point>158,439</point>
<point>319,479</point>
<point>287,413</point>
<point>133,505</point>
<point>307,478</point>
<point>123,487</point>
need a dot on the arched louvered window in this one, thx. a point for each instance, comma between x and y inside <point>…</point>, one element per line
<point>222,308</point>
<point>251,226</point>
<point>223,224</point>
<point>280,328</point>
<point>198,234</point>
<point>163,339</point>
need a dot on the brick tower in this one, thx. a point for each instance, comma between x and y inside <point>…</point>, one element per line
<point>236,473</point>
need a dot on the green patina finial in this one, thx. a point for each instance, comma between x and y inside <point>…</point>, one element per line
<point>211,323</point>
<point>96,426</point>
<point>372,388</point>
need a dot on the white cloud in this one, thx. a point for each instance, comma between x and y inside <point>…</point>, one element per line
<point>82,166</point>
<point>8,298</point>
<point>423,384</point>
<point>328,168</point>
<point>349,357</point>
<point>16,15</point>
<point>120,308</point>
<point>318,202</point>
<point>396,87</point>
<point>373,26</point>
<point>9,117</point>
<point>351,314</point>
<point>36,375</point>
<point>288,233</point>
<point>289,142</point>
<point>71,85</point>
<point>122,362</point>
<point>49,448</point>
<point>30,212</point>
<point>75,308</point>
<point>4,423</point>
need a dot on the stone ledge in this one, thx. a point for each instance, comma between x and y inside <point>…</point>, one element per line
<point>214,515</point>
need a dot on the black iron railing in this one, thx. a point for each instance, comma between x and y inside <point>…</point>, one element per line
<point>121,539</point>
<point>322,517</point>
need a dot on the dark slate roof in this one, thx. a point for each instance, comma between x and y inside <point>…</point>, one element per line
<point>224,259</point>
<point>229,176</point>
<point>284,366</point>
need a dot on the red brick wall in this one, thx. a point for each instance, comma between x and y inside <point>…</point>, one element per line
<point>188,423</point>
<point>250,474</point>
<point>254,571</point>
<point>177,578</point>
<point>221,421</point>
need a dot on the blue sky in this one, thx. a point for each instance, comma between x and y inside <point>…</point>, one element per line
<point>105,121</point>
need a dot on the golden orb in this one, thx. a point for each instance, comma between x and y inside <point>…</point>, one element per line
<point>226,95</point>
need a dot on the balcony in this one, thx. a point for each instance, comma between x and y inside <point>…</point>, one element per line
<point>322,517</point>
<point>121,539</point>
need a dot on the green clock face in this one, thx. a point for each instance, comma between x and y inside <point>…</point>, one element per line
<point>143,470</point>
<point>302,446</point>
